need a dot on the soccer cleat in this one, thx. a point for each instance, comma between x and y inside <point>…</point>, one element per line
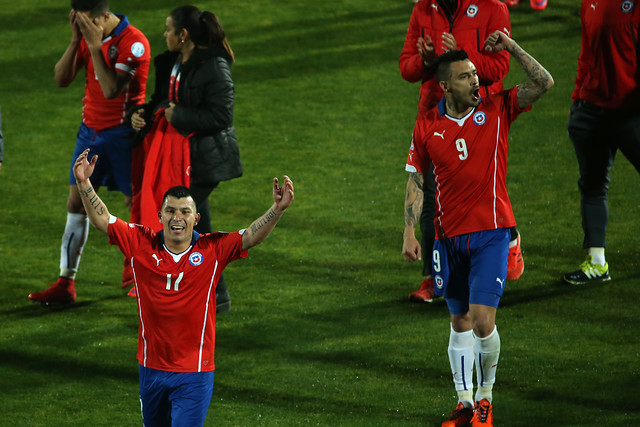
<point>461,416</point>
<point>133,293</point>
<point>511,3</point>
<point>515,263</point>
<point>63,291</point>
<point>426,292</point>
<point>538,4</point>
<point>483,414</point>
<point>588,273</point>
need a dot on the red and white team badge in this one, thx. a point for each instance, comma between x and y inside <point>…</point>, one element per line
<point>479,118</point>
<point>472,11</point>
<point>626,6</point>
<point>437,280</point>
<point>112,52</point>
<point>196,258</point>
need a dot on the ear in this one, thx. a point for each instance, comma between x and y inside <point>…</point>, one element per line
<point>197,218</point>
<point>184,34</point>
<point>444,86</point>
<point>159,216</point>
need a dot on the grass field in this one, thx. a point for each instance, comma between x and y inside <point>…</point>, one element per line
<point>320,331</point>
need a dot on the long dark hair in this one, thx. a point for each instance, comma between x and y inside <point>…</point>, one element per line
<point>203,27</point>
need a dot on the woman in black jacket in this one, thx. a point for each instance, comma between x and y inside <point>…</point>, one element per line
<point>194,85</point>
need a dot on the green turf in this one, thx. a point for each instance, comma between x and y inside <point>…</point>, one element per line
<point>320,332</point>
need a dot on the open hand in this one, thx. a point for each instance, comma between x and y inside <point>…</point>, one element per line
<point>83,169</point>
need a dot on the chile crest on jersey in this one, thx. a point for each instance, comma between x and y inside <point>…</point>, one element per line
<point>479,118</point>
<point>626,6</point>
<point>472,11</point>
<point>196,258</point>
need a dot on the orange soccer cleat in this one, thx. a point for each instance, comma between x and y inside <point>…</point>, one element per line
<point>426,293</point>
<point>483,414</point>
<point>63,291</point>
<point>460,417</point>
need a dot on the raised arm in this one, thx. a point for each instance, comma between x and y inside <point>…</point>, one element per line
<point>93,205</point>
<point>262,227</point>
<point>65,70</point>
<point>411,250</point>
<point>111,81</point>
<point>540,81</point>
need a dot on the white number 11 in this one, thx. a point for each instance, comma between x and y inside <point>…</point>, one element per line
<point>176,283</point>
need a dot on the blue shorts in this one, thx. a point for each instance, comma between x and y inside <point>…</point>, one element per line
<point>471,268</point>
<point>113,146</point>
<point>174,399</point>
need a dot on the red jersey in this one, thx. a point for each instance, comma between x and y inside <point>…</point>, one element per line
<point>126,50</point>
<point>176,294</point>
<point>472,23</point>
<point>469,158</point>
<point>608,62</point>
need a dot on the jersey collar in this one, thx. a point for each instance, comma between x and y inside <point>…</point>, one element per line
<point>194,237</point>
<point>124,23</point>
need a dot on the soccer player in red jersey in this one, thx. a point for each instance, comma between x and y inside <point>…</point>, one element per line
<point>435,27</point>
<point>176,272</point>
<point>116,56</point>
<point>466,138</point>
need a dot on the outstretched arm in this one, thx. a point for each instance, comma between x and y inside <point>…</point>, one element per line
<point>262,227</point>
<point>93,205</point>
<point>540,80</point>
<point>411,250</point>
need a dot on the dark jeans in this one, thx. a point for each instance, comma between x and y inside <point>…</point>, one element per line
<point>597,134</point>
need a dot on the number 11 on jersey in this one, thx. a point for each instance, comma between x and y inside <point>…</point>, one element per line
<point>176,284</point>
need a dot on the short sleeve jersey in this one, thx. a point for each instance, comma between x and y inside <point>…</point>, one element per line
<point>126,50</point>
<point>176,294</point>
<point>469,157</point>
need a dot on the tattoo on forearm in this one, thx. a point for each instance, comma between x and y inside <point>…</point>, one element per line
<point>413,200</point>
<point>264,220</point>
<point>539,76</point>
<point>94,200</point>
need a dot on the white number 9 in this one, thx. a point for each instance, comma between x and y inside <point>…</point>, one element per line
<point>436,261</point>
<point>461,146</point>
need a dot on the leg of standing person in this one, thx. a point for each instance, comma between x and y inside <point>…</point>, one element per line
<point>114,165</point>
<point>595,159</point>
<point>201,194</point>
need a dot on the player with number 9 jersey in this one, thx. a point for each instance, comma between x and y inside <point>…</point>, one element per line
<point>469,156</point>
<point>176,294</point>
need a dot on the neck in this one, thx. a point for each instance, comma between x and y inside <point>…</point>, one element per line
<point>110,24</point>
<point>455,109</point>
<point>187,50</point>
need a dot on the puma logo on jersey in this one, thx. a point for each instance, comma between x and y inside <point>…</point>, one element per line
<point>593,5</point>
<point>157,260</point>
<point>441,135</point>
<point>500,281</point>
<point>434,6</point>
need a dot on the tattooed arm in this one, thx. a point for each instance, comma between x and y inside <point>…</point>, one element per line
<point>262,227</point>
<point>93,205</point>
<point>411,250</point>
<point>540,80</point>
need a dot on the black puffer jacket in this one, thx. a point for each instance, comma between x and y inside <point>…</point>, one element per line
<point>205,108</point>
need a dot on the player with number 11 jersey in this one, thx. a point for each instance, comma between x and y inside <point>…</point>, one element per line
<point>470,164</point>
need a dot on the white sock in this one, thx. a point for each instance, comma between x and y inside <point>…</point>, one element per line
<point>487,353</point>
<point>76,232</point>
<point>597,256</point>
<point>461,360</point>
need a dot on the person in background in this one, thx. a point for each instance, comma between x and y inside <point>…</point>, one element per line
<point>466,139</point>
<point>604,118</point>
<point>117,57</point>
<point>437,26</point>
<point>194,93</point>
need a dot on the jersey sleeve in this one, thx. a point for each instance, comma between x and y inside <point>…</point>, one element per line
<point>127,236</point>
<point>133,52</point>
<point>417,151</point>
<point>510,99</point>
<point>228,246</point>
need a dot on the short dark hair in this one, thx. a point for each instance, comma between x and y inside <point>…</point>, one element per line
<point>94,7</point>
<point>179,192</point>
<point>442,64</point>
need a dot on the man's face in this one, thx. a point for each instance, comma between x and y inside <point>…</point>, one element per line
<point>464,85</point>
<point>178,217</point>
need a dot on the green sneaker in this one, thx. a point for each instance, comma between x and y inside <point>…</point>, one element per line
<point>588,273</point>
